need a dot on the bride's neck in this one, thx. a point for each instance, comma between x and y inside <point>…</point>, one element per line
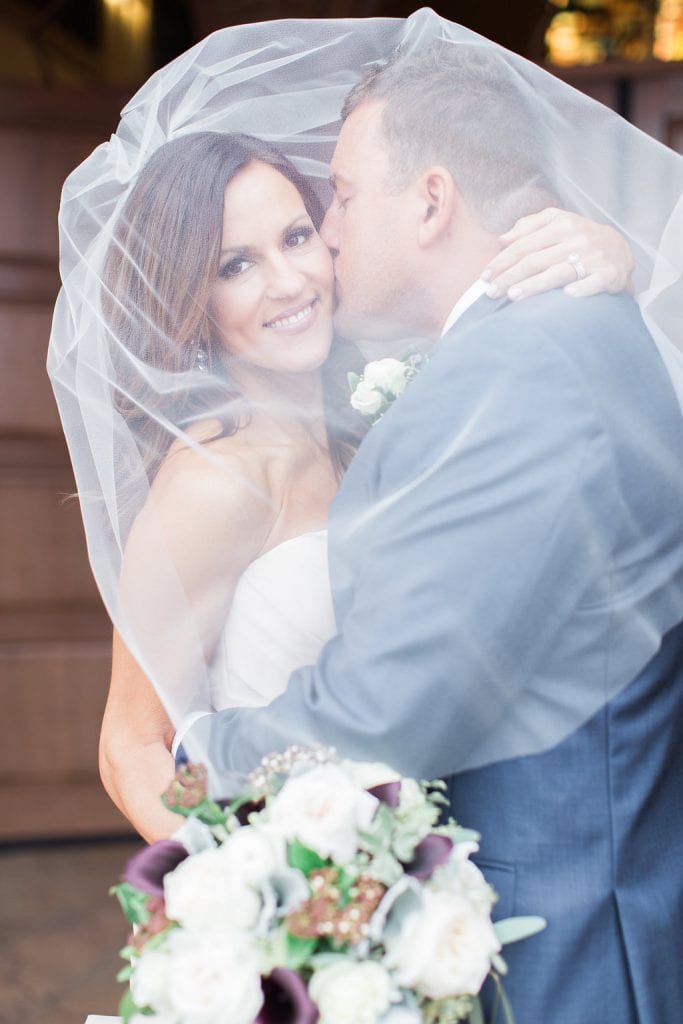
<point>286,406</point>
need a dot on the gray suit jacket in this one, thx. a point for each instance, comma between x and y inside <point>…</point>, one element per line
<point>506,553</point>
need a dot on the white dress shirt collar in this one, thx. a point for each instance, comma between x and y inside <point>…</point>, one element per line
<point>467,299</point>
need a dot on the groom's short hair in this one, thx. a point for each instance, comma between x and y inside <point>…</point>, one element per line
<point>457,105</point>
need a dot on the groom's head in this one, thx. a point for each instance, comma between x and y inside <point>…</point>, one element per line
<point>436,157</point>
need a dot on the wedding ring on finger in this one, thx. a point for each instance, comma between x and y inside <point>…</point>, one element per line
<point>575,260</point>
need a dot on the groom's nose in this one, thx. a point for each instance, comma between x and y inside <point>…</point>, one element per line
<point>329,231</point>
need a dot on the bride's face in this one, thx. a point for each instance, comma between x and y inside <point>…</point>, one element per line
<point>272,300</point>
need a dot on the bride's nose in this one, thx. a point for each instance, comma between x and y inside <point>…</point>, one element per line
<point>285,278</point>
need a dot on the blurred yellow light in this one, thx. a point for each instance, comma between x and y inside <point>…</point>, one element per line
<point>568,41</point>
<point>668,44</point>
<point>136,15</point>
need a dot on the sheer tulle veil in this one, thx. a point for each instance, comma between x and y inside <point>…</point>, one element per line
<point>284,82</point>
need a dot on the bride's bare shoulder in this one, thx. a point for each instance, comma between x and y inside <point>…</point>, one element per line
<point>207,454</point>
<point>219,480</point>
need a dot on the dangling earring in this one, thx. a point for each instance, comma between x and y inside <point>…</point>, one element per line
<point>201,360</point>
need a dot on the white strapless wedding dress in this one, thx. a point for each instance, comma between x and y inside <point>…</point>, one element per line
<point>281,616</point>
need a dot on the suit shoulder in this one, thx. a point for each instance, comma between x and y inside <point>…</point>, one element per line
<point>598,336</point>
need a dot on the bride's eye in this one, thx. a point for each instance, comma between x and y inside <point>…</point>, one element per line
<point>234,268</point>
<point>299,236</point>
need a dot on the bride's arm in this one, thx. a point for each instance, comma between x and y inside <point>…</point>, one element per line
<point>206,520</point>
<point>559,249</point>
<point>136,764</point>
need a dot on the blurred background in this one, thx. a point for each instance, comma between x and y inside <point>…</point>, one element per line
<point>66,69</point>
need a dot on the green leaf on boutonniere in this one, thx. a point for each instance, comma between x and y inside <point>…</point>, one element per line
<point>353,380</point>
<point>133,902</point>
<point>298,951</point>
<point>305,860</point>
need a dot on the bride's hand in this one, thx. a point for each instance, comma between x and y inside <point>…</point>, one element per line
<point>555,249</point>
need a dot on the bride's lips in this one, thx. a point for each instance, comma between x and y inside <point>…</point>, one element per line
<point>295,320</point>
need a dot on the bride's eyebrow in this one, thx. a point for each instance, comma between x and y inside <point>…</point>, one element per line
<point>247,250</point>
<point>295,223</point>
<point>236,250</point>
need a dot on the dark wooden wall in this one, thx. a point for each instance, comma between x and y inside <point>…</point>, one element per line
<point>54,635</point>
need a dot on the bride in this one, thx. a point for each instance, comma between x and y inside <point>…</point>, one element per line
<point>214,358</point>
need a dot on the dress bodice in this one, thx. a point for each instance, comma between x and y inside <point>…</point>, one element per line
<point>280,618</point>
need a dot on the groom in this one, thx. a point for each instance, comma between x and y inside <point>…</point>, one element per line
<point>506,555</point>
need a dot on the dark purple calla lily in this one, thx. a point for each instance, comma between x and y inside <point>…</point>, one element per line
<point>286,1000</point>
<point>146,869</point>
<point>388,793</point>
<point>243,812</point>
<point>430,854</point>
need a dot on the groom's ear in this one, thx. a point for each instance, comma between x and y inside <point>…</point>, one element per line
<point>438,202</point>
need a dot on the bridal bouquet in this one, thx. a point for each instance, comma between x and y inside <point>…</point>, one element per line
<point>325,892</point>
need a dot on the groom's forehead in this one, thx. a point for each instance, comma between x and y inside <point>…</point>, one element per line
<point>359,136</point>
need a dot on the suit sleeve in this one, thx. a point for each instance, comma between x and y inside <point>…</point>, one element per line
<point>478,545</point>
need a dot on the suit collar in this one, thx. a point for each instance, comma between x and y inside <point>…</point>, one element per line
<point>480,309</point>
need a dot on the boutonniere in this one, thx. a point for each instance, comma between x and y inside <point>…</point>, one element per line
<point>381,383</point>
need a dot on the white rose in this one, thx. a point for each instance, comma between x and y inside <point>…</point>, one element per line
<point>389,375</point>
<point>215,979</point>
<point>368,774</point>
<point>254,854</point>
<point>445,948</point>
<point>460,876</point>
<point>323,809</point>
<point>155,1018</point>
<point>149,981</point>
<point>366,400</point>
<point>402,1015</point>
<point>351,993</point>
<point>412,797</point>
<point>203,892</point>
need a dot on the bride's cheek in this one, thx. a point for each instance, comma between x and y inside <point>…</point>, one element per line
<point>325,270</point>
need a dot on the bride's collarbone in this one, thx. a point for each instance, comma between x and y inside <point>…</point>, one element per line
<point>295,483</point>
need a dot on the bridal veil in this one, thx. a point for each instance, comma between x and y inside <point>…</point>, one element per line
<point>121,407</point>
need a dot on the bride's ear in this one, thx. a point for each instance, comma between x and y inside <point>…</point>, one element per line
<point>439,199</point>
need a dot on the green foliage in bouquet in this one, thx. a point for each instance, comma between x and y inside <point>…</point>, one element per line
<point>323,892</point>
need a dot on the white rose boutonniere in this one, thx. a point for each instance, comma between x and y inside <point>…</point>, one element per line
<point>381,383</point>
<point>367,400</point>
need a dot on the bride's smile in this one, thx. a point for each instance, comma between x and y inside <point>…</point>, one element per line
<point>296,320</point>
<point>271,303</point>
